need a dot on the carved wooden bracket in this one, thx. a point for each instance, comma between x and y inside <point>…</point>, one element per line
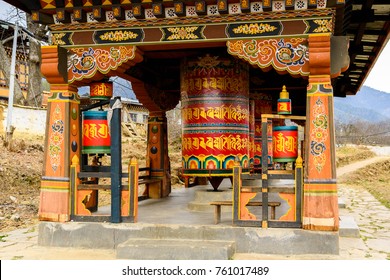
<point>96,62</point>
<point>283,54</point>
<point>54,66</point>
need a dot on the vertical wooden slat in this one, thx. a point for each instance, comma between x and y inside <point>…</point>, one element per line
<point>236,190</point>
<point>264,171</point>
<point>298,188</point>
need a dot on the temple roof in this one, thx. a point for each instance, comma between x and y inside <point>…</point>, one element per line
<point>366,23</point>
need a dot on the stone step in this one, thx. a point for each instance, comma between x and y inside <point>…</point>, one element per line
<point>175,249</point>
<point>341,202</point>
<point>348,227</point>
<point>247,239</point>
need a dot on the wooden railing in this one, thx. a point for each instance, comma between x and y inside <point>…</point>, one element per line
<point>84,190</point>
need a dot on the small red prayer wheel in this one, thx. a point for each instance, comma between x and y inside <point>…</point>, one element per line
<point>96,134</point>
<point>285,143</point>
<point>101,90</point>
<point>284,103</point>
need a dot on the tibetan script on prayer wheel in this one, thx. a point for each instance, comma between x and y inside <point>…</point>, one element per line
<point>285,143</point>
<point>101,91</point>
<point>215,114</point>
<point>96,134</point>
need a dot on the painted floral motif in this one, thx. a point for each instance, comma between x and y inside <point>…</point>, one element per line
<point>319,135</point>
<point>256,7</point>
<point>183,33</point>
<point>83,62</point>
<point>56,138</point>
<point>90,17</point>
<point>57,38</point>
<point>149,13</point>
<point>191,11</point>
<point>129,15</point>
<point>321,4</point>
<point>118,36</point>
<point>170,12</point>
<point>290,54</point>
<point>212,10</point>
<point>278,6</point>
<point>324,25</point>
<point>301,4</point>
<point>208,62</point>
<point>234,8</point>
<point>254,28</point>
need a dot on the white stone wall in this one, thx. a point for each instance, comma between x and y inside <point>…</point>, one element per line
<point>24,119</point>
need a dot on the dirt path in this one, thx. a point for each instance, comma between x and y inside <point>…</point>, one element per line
<point>357,165</point>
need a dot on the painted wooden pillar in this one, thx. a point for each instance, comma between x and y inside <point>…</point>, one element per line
<point>320,189</point>
<point>157,155</point>
<point>62,141</point>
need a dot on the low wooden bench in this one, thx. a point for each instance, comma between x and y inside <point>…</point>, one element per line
<point>145,179</point>
<point>218,204</point>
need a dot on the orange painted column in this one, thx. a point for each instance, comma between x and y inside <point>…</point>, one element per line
<point>62,141</point>
<point>320,210</point>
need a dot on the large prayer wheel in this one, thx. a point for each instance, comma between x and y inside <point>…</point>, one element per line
<point>285,143</point>
<point>96,135</point>
<point>215,115</point>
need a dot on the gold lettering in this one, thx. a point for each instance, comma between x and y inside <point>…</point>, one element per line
<point>103,131</point>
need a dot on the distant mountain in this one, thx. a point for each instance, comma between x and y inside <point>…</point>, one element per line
<point>369,105</point>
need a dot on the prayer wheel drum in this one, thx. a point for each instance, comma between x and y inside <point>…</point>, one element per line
<point>101,90</point>
<point>215,115</point>
<point>96,135</point>
<point>285,143</point>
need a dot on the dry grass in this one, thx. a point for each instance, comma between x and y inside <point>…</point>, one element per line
<point>349,154</point>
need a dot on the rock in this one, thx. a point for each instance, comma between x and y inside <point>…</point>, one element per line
<point>14,199</point>
<point>15,217</point>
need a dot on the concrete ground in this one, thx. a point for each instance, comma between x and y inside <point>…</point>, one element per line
<point>372,218</point>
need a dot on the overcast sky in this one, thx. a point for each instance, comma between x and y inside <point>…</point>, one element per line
<point>376,79</point>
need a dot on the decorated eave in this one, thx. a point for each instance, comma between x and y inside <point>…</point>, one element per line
<point>72,11</point>
<point>366,23</point>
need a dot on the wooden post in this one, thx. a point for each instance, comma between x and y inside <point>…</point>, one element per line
<point>320,189</point>
<point>130,196</point>
<point>62,141</point>
<point>116,159</point>
<point>264,172</point>
<point>236,189</point>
